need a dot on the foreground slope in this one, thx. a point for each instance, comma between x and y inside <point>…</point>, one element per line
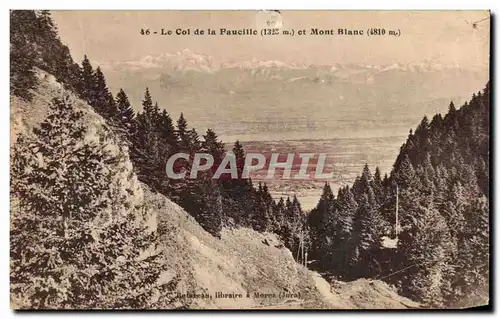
<point>244,261</point>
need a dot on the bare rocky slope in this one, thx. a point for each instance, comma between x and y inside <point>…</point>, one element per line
<point>251,270</point>
<point>251,264</point>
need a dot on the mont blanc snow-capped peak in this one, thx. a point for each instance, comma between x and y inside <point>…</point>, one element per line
<point>182,60</point>
<point>262,64</point>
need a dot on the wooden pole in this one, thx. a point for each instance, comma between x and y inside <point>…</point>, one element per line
<point>397,204</point>
<point>298,248</point>
<point>302,247</point>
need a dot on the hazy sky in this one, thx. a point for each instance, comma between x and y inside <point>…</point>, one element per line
<point>445,37</point>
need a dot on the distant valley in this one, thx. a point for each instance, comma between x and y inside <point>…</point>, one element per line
<point>345,158</point>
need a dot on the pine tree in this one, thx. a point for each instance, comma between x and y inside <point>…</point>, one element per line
<point>147,105</point>
<point>45,24</point>
<point>58,140</point>
<point>87,79</point>
<point>406,177</point>
<point>427,174</point>
<point>239,192</point>
<point>103,101</point>
<point>73,244</point>
<point>322,222</point>
<point>426,246</point>
<point>473,259</point>
<point>50,45</point>
<point>167,132</point>
<point>279,216</point>
<point>294,227</point>
<point>125,113</point>
<point>182,133</point>
<point>22,54</point>
<point>377,186</point>
<point>451,108</point>
<point>267,218</point>
<point>213,146</point>
<point>239,153</point>
<point>347,208</point>
<point>35,43</point>
<point>67,71</point>
<point>147,151</point>
<point>365,240</point>
<point>210,211</point>
<point>23,24</point>
<point>194,141</point>
<point>364,184</point>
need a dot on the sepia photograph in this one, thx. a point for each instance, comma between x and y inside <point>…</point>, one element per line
<point>250,160</point>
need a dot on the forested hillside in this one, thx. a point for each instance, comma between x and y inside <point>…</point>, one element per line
<point>151,135</point>
<point>441,178</point>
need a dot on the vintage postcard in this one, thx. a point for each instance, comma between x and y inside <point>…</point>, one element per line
<point>265,159</point>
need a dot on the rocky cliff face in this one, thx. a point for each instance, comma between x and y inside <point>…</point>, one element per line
<point>25,116</point>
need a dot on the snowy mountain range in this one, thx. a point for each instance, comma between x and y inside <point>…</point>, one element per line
<point>187,60</point>
<point>258,99</point>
